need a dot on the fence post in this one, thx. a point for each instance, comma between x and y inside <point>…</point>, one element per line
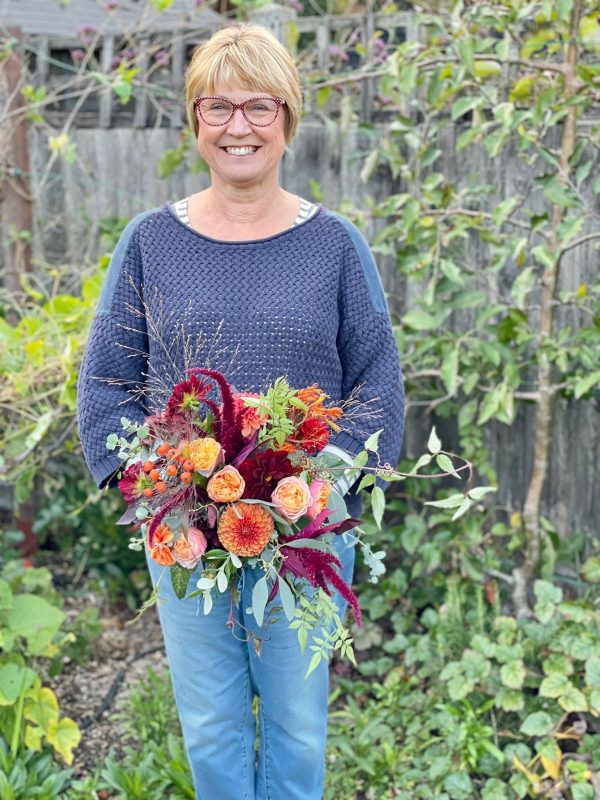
<point>275,18</point>
<point>15,197</point>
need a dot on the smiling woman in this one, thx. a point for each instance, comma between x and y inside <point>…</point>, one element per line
<point>292,290</point>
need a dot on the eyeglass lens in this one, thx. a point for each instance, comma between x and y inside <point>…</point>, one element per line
<point>217,112</point>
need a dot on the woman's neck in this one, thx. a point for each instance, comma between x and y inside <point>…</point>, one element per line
<point>241,206</point>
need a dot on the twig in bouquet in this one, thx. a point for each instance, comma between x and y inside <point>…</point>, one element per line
<point>357,409</point>
<point>183,349</point>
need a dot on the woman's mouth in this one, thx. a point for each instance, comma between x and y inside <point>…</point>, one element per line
<point>247,150</point>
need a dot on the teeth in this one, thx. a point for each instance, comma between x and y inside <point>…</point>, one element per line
<point>240,151</point>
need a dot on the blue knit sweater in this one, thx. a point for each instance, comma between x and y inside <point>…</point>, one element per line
<point>306,303</point>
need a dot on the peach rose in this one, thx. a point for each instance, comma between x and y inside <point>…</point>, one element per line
<point>291,497</point>
<point>205,453</point>
<point>188,550</point>
<point>226,485</point>
<point>319,492</point>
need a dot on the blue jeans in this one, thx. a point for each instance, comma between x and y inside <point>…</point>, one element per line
<point>215,677</point>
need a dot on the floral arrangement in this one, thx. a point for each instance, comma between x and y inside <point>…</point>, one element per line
<point>242,482</point>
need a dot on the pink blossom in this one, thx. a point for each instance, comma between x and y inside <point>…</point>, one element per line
<point>188,550</point>
<point>77,55</point>
<point>162,57</point>
<point>335,51</point>
<point>87,33</point>
<point>319,493</point>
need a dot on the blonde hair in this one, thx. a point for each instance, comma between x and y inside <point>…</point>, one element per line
<point>251,56</point>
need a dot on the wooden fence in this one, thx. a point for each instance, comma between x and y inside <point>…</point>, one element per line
<point>115,175</point>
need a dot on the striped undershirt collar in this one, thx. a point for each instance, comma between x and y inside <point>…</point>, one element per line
<point>305,212</point>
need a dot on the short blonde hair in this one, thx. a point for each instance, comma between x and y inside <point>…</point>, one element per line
<point>251,56</point>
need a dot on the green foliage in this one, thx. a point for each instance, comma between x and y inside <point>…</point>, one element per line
<point>458,698</point>
<point>155,764</point>
<point>79,522</point>
<point>30,775</point>
<point>30,627</point>
<point>40,357</point>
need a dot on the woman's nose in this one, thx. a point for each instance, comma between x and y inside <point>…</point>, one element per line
<point>238,122</point>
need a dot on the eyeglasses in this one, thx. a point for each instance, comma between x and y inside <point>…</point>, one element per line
<point>259,111</point>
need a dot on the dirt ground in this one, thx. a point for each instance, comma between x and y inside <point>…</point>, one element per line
<point>91,693</point>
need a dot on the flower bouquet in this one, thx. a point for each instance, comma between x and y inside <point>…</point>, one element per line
<point>242,482</point>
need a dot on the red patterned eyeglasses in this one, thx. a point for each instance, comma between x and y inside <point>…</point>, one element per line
<point>259,111</point>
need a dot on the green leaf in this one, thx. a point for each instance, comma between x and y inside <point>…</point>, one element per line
<point>592,671</point>
<point>590,571</point>
<point>64,736</point>
<point>180,577</point>
<point>322,96</point>
<point>512,674</point>
<point>537,724</point>
<point>314,662</point>
<point>463,105</point>
<point>423,461</point>
<point>573,699</point>
<point>583,385</point>
<point>554,685</point>
<point>420,321</point>
<point>287,599</point>
<point>510,699</point>
<point>260,594</point>
<point>6,596</point>
<point>377,504</point>
<point>41,707</point>
<point>446,465</point>
<point>479,492</point>
<point>466,504</point>
<point>449,371</point>
<point>454,501</point>
<point>503,209</point>
<point>434,444</point>
<point>14,679</point>
<point>548,596</point>
<point>35,620</point>
<point>371,443</point>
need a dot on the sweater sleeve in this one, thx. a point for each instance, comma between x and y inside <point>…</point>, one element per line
<point>369,358</point>
<point>112,375</point>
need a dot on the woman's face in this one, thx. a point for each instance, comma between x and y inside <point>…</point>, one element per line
<point>267,143</point>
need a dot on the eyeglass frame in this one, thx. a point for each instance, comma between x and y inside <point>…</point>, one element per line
<point>235,106</point>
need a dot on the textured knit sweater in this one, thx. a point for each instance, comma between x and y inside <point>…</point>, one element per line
<point>306,303</point>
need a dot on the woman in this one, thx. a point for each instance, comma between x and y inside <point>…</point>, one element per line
<point>259,283</point>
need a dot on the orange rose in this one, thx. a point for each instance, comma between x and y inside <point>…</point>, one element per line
<point>292,497</point>
<point>319,493</point>
<point>205,454</point>
<point>160,550</point>
<point>226,485</point>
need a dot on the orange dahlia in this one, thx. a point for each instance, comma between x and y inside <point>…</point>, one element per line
<point>245,528</point>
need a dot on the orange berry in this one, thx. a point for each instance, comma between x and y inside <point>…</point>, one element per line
<point>148,466</point>
<point>186,477</point>
<point>171,453</point>
<point>162,449</point>
<point>154,474</point>
<point>188,465</point>
<point>172,469</point>
<point>160,486</point>
<point>149,491</point>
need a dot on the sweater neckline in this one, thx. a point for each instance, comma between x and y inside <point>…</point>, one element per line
<point>171,212</point>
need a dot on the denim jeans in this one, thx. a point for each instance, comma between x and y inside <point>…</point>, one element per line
<point>215,676</point>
